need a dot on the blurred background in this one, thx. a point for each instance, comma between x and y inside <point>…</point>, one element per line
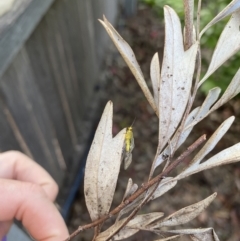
<point>58,68</point>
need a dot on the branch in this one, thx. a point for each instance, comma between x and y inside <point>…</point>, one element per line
<point>140,191</point>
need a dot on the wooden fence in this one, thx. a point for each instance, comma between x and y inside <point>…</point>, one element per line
<point>50,53</point>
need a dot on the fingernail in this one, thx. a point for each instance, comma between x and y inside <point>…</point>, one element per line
<point>4,238</point>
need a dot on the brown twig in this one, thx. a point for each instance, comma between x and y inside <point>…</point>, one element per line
<point>140,191</point>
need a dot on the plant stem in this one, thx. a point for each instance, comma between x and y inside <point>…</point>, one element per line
<point>140,191</point>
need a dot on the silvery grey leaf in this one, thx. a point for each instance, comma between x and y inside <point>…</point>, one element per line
<point>200,234</point>
<point>131,206</point>
<point>143,220</point>
<point>211,98</point>
<point>232,7</point>
<point>133,226</point>
<point>155,77</point>
<point>227,156</point>
<point>232,90</point>
<point>227,46</point>
<point>176,142</point>
<point>164,186</point>
<point>169,238</point>
<point>111,230</point>
<point>139,222</point>
<point>102,166</point>
<point>131,188</point>
<point>213,140</point>
<point>176,77</point>
<point>186,214</point>
<point>129,57</point>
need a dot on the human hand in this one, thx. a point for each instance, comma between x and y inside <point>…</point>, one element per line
<point>27,193</point>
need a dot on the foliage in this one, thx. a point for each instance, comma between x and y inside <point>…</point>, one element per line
<point>175,83</point>
<point>209,40</point>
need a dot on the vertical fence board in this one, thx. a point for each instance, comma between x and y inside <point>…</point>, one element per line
<point>44,79</point>
<point>8,139</point>
<point>25,103</point>
<point>46,90</point>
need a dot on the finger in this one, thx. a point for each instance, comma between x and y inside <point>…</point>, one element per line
<point>15,165</point>
<point>28,203</point>
<point>4,228</point>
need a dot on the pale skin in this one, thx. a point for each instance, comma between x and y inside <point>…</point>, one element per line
<point>27,193</point>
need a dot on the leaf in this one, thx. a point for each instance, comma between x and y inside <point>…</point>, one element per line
<point>131,206</point>
<point>186,214</point>
<point>232,90</point>
<point>227,46</point>
<point>167,151</point>
<point>176,77</point>
<point>213,140</point>
<point>165,185</point>
<point>169,238</point>
<point>193,118</point>
<point>131,188</point>
<point>129,57</point>
<point>203,234</point>
<point>227,156</point>
<point>232,7</point>
<point>143,220</point>
<point>211,98</point>
<point>103,165</point>
<point>155,77</point>
<point>137,223</point>
<point>110,231</point>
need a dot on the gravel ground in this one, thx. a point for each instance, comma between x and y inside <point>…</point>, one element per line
<point>144,33</point>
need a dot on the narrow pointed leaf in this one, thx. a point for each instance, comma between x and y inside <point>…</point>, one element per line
<point>126,232</point>
<point>103,165</point>
<point>143,220</point>
<point>186,214</point>
<point>129,57</point>
<point>131,206</point>
<point>227,46</point>
<point>227,156</point>
<point>203,234</point>
<point>164,186</point>
<point>176,77</point>
<point>211,98</point>
<point>128,188</point>
<point>169,238</point>
<point>167,151</point>
<point>155,77</point>
<point>110,231</point>
<point>139,222</point>
<point>131,228</point>
<point>232,90</point>
<point>232,7</point>
<point>213,140</point>
<point>131,188</point>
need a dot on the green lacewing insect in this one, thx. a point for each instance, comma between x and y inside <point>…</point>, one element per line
<point>129,145</point>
